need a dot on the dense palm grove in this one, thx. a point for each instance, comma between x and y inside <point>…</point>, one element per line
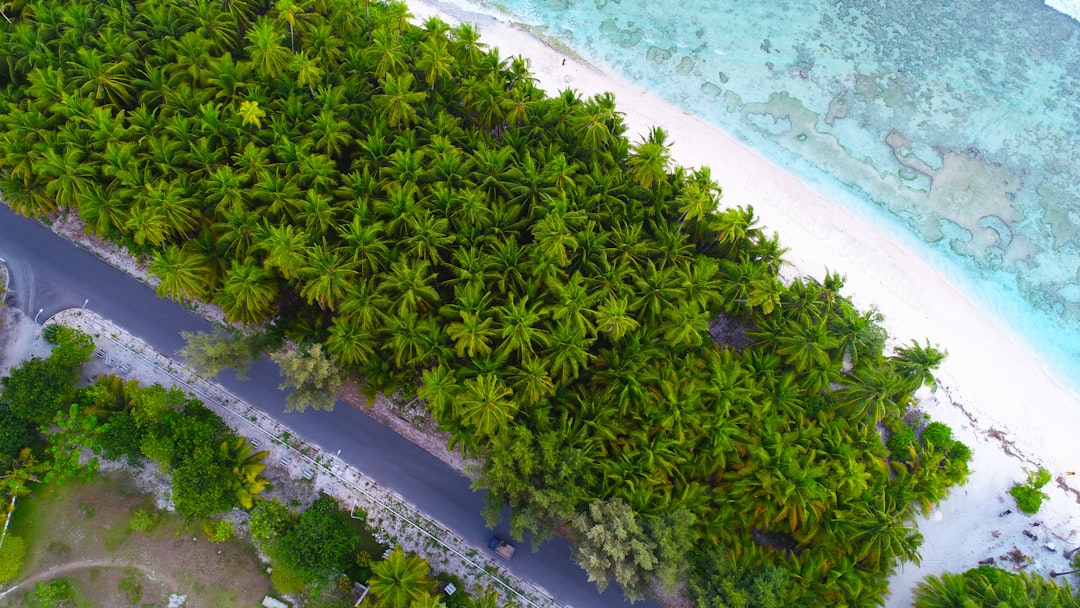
<point>413,202</point>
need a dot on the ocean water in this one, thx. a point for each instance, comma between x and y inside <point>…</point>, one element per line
<point>957,122</point>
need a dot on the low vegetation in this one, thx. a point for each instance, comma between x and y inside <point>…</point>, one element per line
<point>987,587</point>
<point>1029,495</point>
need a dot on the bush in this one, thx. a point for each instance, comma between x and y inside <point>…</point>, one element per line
<point>938,434</point>
<point>121,436</point>
<point>143,520</point>
<point>12,554</point>
<point>902,439</point>
<point>269,520</point>
<point>1028,495</point>
<point>286,580</point>
<point>52,593</point>
<point>220,531</point>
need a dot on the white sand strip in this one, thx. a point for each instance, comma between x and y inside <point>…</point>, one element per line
<point>997,378</point>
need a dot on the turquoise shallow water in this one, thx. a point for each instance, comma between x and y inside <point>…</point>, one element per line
<point>957,122</point>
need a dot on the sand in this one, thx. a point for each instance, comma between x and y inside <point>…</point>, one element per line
<point>997,394</point>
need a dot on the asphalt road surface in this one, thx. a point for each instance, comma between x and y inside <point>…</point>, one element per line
<point>50,274</point>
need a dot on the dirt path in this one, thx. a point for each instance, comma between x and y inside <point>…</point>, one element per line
<point>82,564</point>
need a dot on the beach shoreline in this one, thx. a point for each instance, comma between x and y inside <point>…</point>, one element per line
<point>997,394</point>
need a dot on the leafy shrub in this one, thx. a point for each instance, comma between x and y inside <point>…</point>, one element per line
<point>990,586</point>
<point>902,439</point>
<point>269,520</point>
<point>323,541</point>
<point>72,348</point>
<point>132,590</point>
<point>143,520</point>
<point>52,593</point>
<point>12,554</point>
<point>286,580</point>
<point>120,436</point>
<point>220,531</point>
<point>937,434</point>
<point>1028,495</point>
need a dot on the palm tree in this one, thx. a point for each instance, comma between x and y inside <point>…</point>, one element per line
<point>567,353</point>
<point>472,335</point>
<point>246,465</point>
<point>326,275</point>
<point>399,580</point>
<point>613,318</point>
<point>648,165</point>
<point>292,13</point>
<point>411,285</point>
<point>435,61</point>
<point>307,70</point>
<point>349,342</point>
<point>69,177</point>
<point>286,249</point>
<point>387,53</point>
<point>439,390</point>
<point>248,293</point>
<point>872,391</point>
<point>915,364</point>
<point>521,331</point>
<point>396,102</point>
<point>184,274</point>
<point>485,405</point>
<point>268,56</point>
<point>105,80</point>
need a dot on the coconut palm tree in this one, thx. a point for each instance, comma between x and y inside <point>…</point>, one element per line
<point>184,274</point>
<point>245,464</point>
<point>399,580</point>
<point>485,405</point>
<point>248,292</point>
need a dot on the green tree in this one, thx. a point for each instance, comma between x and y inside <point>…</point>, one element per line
<point>69,433</point>
<point>313,375</point>
<point>37,389</point>
<point>269,520</point>
<point>612,544</point>
<point>225,348</point>
<point>321,543</point>
<point>201,484</point>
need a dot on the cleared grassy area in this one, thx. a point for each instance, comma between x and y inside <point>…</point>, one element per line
<point>82,532</point>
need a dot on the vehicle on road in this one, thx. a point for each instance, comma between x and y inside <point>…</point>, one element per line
<point>501,547</point>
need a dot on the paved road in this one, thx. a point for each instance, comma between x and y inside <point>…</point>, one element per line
<point>50,274</point>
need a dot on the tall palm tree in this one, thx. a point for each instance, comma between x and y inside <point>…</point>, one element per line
<point>268,56</point>
<point>399,580</point>
<point>521,330</point>
<point>485,405</point>
<point>915,364</point>
<point>327,275</point>
<point>245,464</point>
<point>248,292</point>
<point>648,164</point>
<point>184,274</point>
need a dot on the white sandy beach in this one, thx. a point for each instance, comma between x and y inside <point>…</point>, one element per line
<point>996,393</point>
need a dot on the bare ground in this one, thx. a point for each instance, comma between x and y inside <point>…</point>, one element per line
<point>80,531</point>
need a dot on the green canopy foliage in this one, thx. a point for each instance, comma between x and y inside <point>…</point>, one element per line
<point>575,309</point>
<point>987,587</point>
<point>321,543</point>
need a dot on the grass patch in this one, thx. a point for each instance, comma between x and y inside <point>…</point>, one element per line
<point>131,588</point>
<point>118,550</point>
